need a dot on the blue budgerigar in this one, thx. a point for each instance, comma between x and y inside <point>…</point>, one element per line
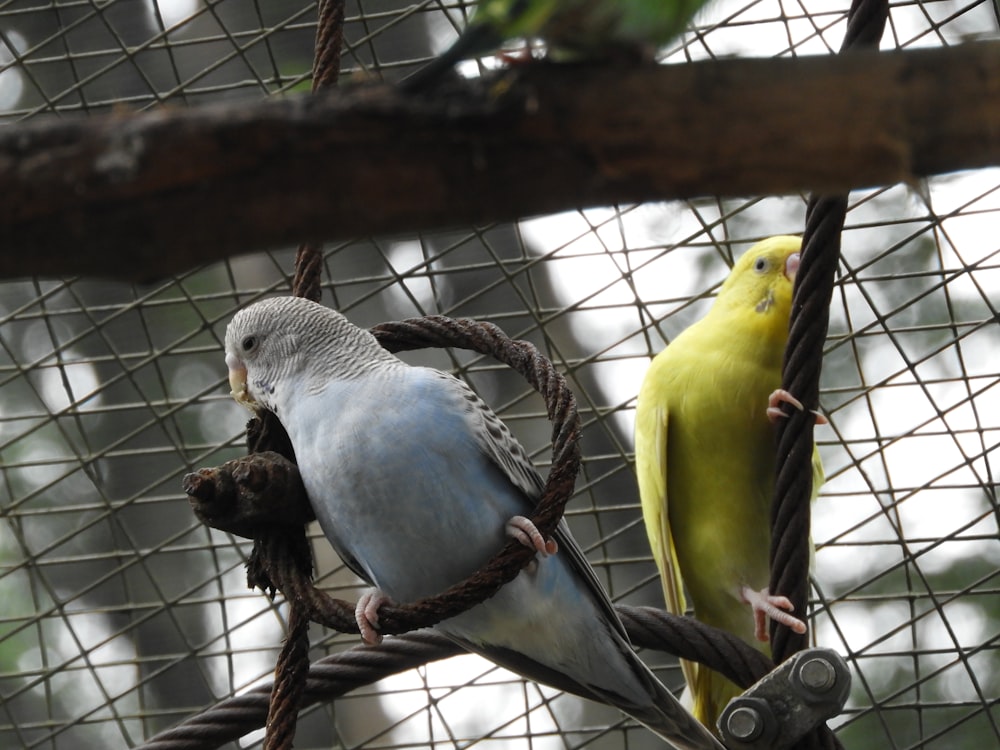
<point>416,483</point>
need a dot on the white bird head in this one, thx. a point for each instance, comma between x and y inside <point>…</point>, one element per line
<point>289,344</point>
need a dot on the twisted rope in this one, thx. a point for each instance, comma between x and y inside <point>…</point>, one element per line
<point>825,218</point>
<point>326,72</point>
<point>790,512</point>
<point>328,678</point>
<point>328,45</point>
<point>293,660</point>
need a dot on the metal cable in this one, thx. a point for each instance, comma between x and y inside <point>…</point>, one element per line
<point>333,676</point>
<point>791,512</point>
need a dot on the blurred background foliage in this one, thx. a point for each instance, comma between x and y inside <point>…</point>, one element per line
<point>122,615</point>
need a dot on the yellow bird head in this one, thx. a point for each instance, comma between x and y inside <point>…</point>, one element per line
<point>761,281</point>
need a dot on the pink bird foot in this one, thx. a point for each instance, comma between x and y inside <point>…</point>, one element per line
<point>776,607</point>
<point>524,531</point>
<point>513,58</point>
<point>366,615</point>
<point>781,396</point>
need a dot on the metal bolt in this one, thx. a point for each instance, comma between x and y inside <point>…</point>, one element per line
<point>818,674</point>
<point>745,723</point>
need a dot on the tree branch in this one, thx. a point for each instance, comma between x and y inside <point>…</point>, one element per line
<point>140,196</point>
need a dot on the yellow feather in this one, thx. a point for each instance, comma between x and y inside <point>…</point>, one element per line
<point>705,456</point>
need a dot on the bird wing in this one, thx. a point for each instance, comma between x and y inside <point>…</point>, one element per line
<point>651,433</point>
<point>503,449</point>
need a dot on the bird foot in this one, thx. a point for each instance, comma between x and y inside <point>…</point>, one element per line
<point>366,615</point>
<point>781,396</point>
<point>764,605</point>
<point>524,531</point>
<point>513,57</point>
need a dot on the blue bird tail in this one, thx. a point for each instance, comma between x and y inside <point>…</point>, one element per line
<point>640,695</point>
<point>662,713</point>
<point>666,718</point>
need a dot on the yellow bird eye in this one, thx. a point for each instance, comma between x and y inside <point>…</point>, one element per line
<point>761,265</point>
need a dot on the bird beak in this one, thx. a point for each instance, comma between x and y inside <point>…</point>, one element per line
<point>792,266</point>
<point>238,382</point>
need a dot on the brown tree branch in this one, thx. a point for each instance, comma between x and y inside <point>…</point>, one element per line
<point>140,196</point>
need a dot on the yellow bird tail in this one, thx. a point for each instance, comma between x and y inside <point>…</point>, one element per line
<point>710,692</point>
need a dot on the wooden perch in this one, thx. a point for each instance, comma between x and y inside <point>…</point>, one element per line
<point>140,196</point>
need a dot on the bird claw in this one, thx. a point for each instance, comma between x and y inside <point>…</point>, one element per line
<point>524,531</point>
<point>366,615</point>
<point>765,606</point>
<point>781,396</point>
<point>513,57</point>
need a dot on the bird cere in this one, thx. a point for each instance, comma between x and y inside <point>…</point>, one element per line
<point>705,458</point>
<point>397,460</point>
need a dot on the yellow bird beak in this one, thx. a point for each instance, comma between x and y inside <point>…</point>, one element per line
<point>238,383</point>
<point>792,266</point>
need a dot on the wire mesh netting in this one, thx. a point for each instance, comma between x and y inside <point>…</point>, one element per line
<point>121,615</point>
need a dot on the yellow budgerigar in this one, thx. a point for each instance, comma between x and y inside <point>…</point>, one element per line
<point>705,458</point>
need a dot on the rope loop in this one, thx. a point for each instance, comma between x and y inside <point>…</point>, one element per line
<point>293,661</point>
<point>277,564</point>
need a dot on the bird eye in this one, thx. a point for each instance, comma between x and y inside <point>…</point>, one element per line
<point>249,343</point>
<point>760,265</point>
